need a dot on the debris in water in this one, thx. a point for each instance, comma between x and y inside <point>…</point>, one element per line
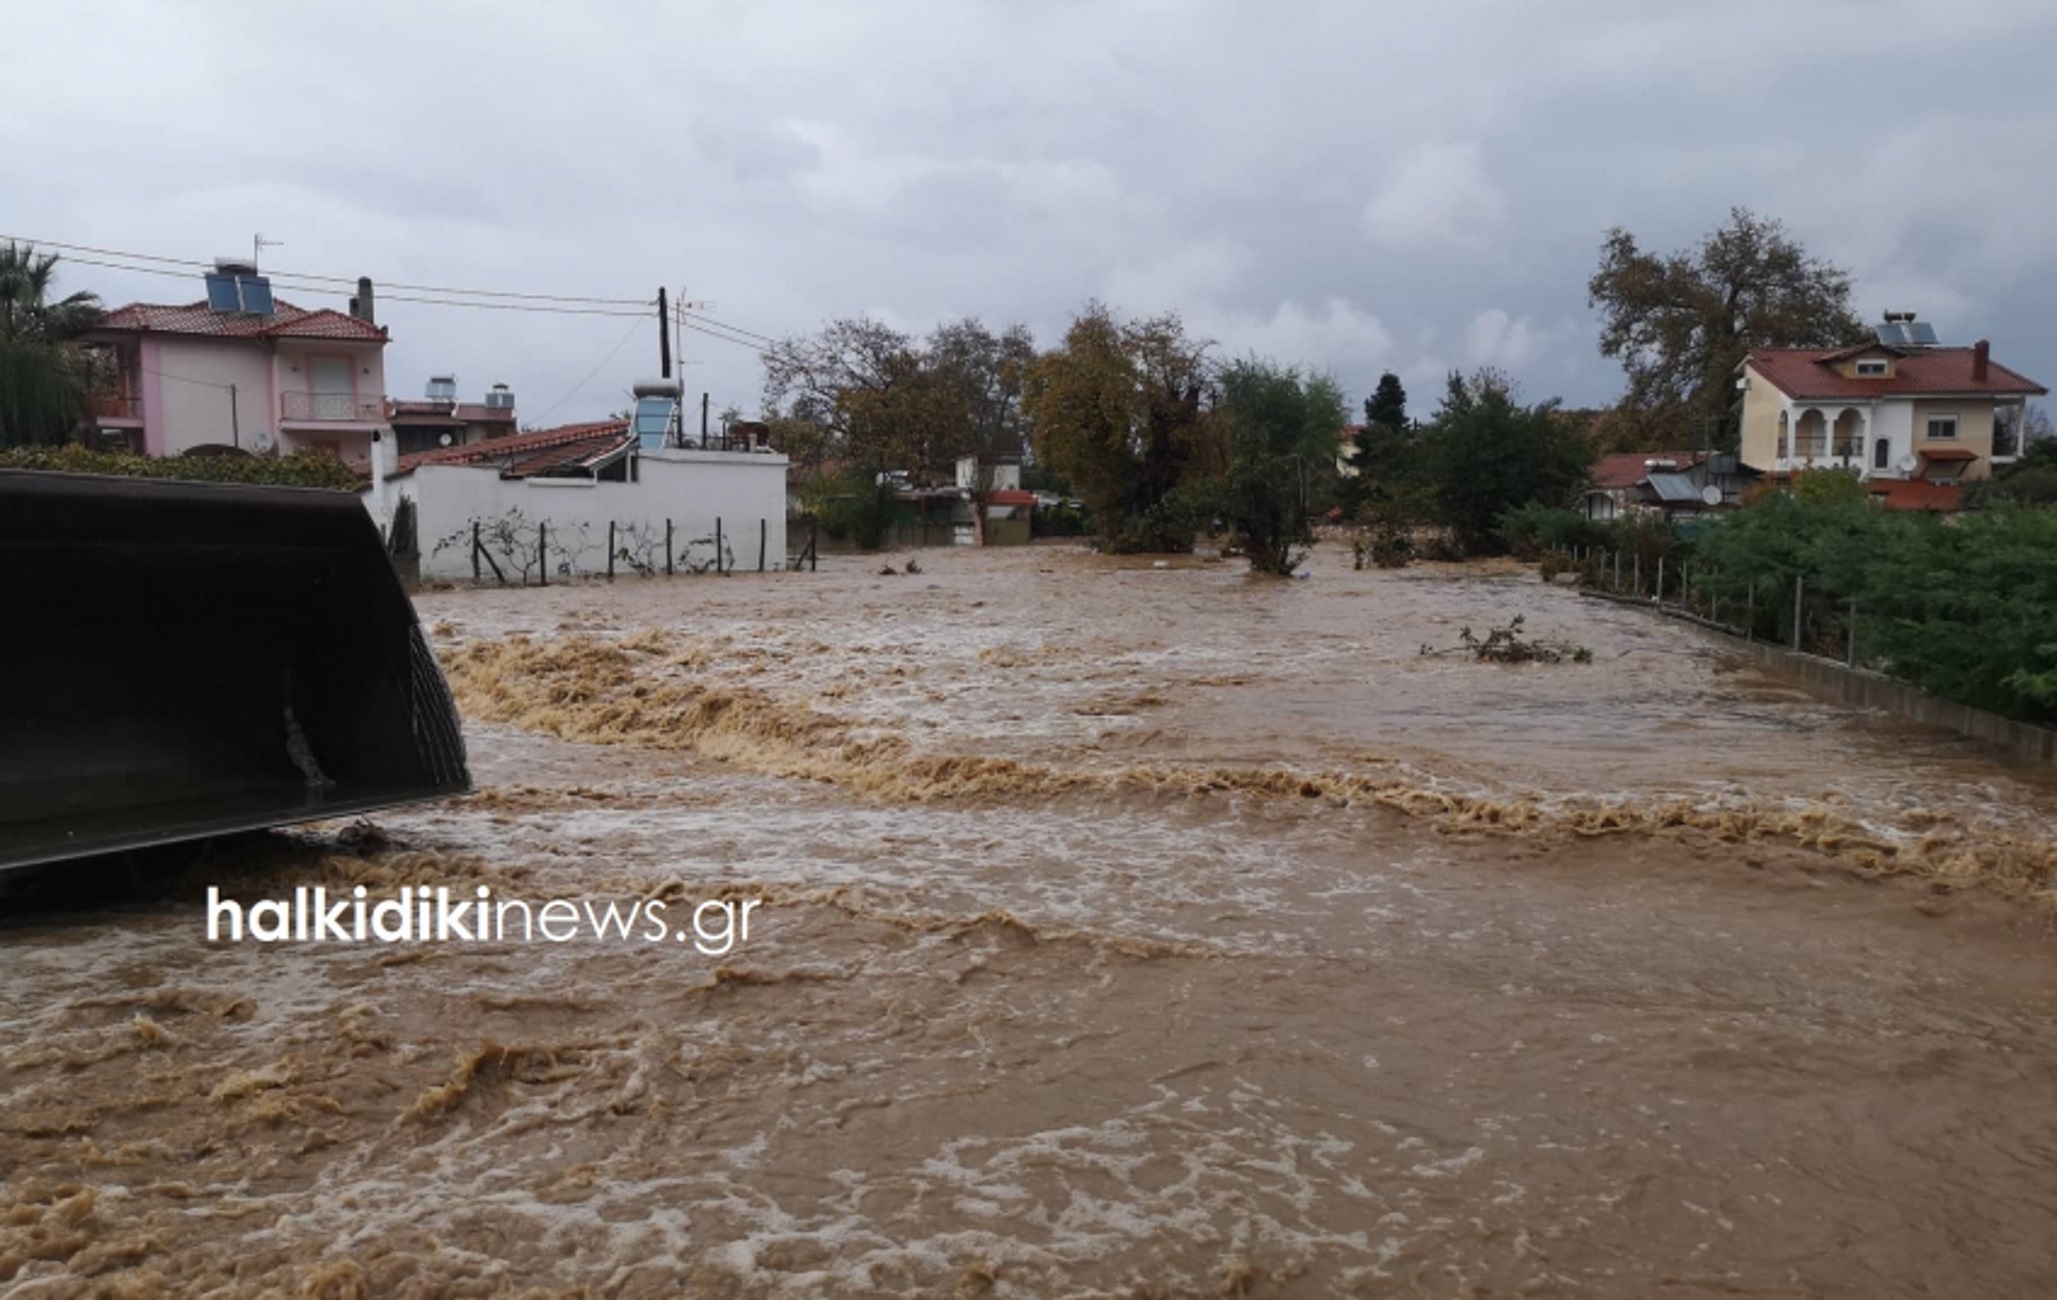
<point>1506,645</point>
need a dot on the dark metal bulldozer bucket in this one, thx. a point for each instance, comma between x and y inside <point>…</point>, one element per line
<point>180,660</point>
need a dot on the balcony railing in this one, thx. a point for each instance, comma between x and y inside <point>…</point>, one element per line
<point>114,406</point>
<point>331,407</point>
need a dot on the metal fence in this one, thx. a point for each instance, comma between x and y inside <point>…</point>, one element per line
<point>1792,612</point>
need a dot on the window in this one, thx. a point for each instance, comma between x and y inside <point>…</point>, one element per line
<point>1871,369</point>
<point>1881,453</point>
<point>1942,426</point>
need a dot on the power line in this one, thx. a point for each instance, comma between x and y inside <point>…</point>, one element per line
<point>733,329</point>
<point>758,348</point>
<point>285,282</point>
<point>332,279</point>
<point>552,408</point>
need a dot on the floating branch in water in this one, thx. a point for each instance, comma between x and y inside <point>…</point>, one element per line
<point>1506,645</point>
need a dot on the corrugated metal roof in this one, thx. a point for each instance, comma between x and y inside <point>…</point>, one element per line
<point>1674,488</point>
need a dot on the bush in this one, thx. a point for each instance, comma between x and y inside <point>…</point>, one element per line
<point>854,506</point>
<point>308,469</point>
<point>1535,528</point>
<point>1059,521</point>
<point>1964,608</point>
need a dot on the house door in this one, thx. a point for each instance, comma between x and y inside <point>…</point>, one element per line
<point>334,390</point>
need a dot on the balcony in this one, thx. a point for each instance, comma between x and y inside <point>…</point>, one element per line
<point>331,408</point>
<point>114,406</point>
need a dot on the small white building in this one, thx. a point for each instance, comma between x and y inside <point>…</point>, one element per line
<point>561,502</point>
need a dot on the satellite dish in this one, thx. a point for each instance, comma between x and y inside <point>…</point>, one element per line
<point>445,440</point>
<point>1907,463</point>
<point>1711,495</point>
<point>260,442</point>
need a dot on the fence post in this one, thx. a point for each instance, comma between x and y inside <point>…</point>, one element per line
<point>476,576</point>
<point>1799,608</point>
<point>1659,597</point>
<point>610,550</point>
<point>717,544</point>
<point>667,548</point>
<point>1637,576</point>
<point>763,533</point>
<point>813,546</point>
<point>1617,570</point>
<point>542,554</point>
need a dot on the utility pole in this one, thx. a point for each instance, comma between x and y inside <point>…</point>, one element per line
<point>235,425</point>
<point>663,332</point>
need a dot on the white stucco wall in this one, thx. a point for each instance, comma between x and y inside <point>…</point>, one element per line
<point>690,488</point>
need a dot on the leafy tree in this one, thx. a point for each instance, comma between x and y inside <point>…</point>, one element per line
<point>979,377</point>
<point>1831,487</point>
<point>2029,481</point>
<point>1123,409</point>
<point>44,380</point>
<point>1682,323</point>
<point>1486,455</point>
<point>862,394</point>
<point>1379,467</point>
<point>1387,405</point>
<point>1279,429</point>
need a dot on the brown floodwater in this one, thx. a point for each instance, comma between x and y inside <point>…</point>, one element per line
<point>1120,931</point>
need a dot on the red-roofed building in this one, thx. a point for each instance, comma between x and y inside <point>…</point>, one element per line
<point>1899,408</point>
<point>440,420</point>
<point>242,369</point>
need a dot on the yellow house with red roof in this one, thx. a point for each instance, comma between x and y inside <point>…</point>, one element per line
<point>1901,407</point>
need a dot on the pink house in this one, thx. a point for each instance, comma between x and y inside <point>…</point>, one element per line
<point>244,370</point>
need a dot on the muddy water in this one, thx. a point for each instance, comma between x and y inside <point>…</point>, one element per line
<point>1125,932</point>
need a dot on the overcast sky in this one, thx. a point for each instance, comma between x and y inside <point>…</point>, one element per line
<point>1348,186</point>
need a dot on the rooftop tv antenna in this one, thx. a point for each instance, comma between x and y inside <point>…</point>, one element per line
<point>258,243</point>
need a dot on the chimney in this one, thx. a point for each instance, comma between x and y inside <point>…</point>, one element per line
<point>362,306</point>
<point>1981,353</point>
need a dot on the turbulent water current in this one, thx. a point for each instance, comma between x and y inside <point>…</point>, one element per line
<point>1118,931</point>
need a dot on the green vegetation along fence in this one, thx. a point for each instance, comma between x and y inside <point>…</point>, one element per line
<point>1964,608</point>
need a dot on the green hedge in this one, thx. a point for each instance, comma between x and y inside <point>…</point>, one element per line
<point>309,469</point>
<point>1965,608</point>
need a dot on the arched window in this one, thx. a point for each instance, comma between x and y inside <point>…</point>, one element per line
<point>1881,453</point>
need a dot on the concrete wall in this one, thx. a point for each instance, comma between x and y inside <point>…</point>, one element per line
<point>192,385</point>
<point>690,488</point>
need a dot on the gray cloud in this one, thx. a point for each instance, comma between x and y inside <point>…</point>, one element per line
<point>1347,186</point>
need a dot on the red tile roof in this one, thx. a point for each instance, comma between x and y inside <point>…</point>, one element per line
<point>287,322</point>
<point>1948,453</point>
<point>1916,494</point>
<point>1809,374</point>
<point>521,455</point>
<point>1626,469</point>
